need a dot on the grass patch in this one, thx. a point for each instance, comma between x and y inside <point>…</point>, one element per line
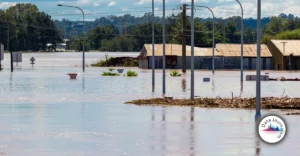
<point>131,73</point>
<point>175,73</point>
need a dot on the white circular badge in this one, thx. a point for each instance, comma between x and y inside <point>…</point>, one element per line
<point>272,129</point>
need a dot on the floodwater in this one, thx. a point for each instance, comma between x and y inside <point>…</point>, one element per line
<point>43,112</point>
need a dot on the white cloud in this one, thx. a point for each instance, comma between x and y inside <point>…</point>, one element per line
<point>5,5</point>
<point>143,2</point>
<point>112,3</point>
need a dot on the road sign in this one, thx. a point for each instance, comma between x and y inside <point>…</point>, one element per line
<point>32,61</point>
<point>1,52</point>
<point>17,57</point>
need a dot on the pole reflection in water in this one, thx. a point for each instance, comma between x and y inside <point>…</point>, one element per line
<point>213,85</point>
<point>152,129</point>
<point>82,102</point>
<point>192,134</point>
<point>83,83</point>
<point>257,141</point>
<point>163,139</point>
<point>183,84</point>
<point>10,81</point>
<point>242,88</point>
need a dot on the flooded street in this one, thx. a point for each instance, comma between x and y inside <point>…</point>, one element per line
<point>43,112</point>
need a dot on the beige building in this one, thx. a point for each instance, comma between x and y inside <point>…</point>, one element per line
<point>286,54</point>
<point>227,56</point>
<point>174,56</point>
<point>232,56</point>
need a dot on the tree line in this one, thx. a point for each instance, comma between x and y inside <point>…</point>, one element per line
<point>27,29</point>
<point>132,37</point>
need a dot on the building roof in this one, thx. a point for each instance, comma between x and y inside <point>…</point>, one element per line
<point>250,50</point>
<point>227,50</point>
<point>291,47</point>
<point>176,50</point>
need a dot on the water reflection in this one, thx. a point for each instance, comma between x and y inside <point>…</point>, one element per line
<point>83,83</point>
<point>163,128</point>
<point>152,128</point>
<point>192,132</point>
<point>257,141</point>
<point>242,88</point>
<point>213,85</point>
<point>10,81</point>
<point>183,84</point>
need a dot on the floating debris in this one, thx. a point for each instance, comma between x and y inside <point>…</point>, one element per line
<point>241,103</point>
<point>72,75</point>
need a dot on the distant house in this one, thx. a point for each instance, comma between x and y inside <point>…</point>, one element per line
<point>286,54</point>
<point>232,56</point>
<point>227,56</point>
<point>61,46</point>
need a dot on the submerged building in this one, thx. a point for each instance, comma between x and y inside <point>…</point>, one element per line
<point>227,56</point>
<point>286,54</point>
<point>174,57</point>
<point>232,56</point>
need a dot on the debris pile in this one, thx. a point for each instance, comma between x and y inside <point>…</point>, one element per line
<point>241,103</point>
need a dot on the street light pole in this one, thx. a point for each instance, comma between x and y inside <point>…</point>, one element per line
<point>213,39</point>
<point>153,48</point>
<point>192,51</point>
<point>258,66</point>
<point>83,28</point>
<point>164,48</point>
<point>242,42</point>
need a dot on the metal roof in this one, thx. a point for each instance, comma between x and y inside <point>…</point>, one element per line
<point>250,50</point>
<point>227,50</point>
<point>176,50</point>
<point>291,47</point>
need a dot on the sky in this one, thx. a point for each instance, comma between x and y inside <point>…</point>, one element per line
<point>99,8</point>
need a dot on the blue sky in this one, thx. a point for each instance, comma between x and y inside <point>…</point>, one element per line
<point>98,8</point>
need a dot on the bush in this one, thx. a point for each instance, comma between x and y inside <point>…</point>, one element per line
<point>132,73</point>
<point>175,73</point>
<point>111,69</point>
<point>110,74</point>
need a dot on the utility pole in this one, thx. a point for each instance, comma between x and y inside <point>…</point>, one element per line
<point>192,51</point>
<point>184,38</point>
<point>164,49</point>
<point>258,79</point>
<point>153,49</point>
<point>11,55</point>
<point>242,41</point>
<point>283,53</point>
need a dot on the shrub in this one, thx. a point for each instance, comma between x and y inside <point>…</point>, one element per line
<point>110,74</point>
<point>111,69</point>
<point>175,73</point>
<point>132,73</point>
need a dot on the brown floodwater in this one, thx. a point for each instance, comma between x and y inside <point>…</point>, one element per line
<point>43,112</point>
